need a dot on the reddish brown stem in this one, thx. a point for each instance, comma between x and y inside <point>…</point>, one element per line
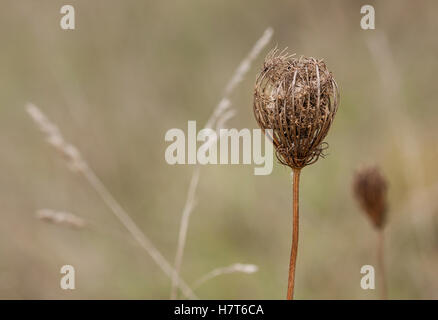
<point>295,225</point>
<point>381,263</point>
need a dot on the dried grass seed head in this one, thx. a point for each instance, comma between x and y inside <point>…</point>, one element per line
<point>370,189</point>
<point>60,218</point>
<point>297,98</point>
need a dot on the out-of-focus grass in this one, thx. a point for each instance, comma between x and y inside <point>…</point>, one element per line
<point>131,71</point>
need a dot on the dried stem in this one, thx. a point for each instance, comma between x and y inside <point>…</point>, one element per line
<point>78,164</point>
<point>381,263</point>
<point>295,227</point>
<point>132,227</point>
<point>220,114</point>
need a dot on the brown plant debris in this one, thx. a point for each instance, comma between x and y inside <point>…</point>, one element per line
<point>297,98</point>
<point>370,189</point>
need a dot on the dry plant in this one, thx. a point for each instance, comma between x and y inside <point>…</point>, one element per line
<point>218,118</point>
<point>370,189</point>
<point>409,141</point>
<point>296,98</point>
<point>77,164</point>
<point>237,267</point>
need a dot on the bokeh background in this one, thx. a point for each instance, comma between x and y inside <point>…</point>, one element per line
<point>134,69</point>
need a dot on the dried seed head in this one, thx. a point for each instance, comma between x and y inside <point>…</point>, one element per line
<point>370,189</point>
<point>297,98</point>
<point>60,218</point>
<point>54,137</point>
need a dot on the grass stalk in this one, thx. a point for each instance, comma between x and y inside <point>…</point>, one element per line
<point>78,164</point>
<point>218,114</point>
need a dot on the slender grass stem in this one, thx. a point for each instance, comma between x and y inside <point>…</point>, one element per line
<point>77,164</point>
<point>381,263</point>
<point>220,115</point>
<point>295,227</point>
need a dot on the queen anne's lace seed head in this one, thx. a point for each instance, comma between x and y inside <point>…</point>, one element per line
<point>297,98</point>
<point>370,188</point>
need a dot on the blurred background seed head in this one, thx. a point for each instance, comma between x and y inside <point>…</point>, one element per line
<point>370,189</point>
<point>134,69</point>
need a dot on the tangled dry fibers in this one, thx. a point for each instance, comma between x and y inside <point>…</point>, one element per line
<point>297,98</point>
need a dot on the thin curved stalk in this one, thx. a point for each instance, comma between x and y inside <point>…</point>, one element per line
<point>295,227</point>
<point>381,263</point>
<point>77,164</point>
<point>218,115</point>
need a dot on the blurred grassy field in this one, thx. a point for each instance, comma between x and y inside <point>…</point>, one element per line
<point>134,69</point>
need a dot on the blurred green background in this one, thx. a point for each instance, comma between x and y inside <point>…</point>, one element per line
<point>134,69</point>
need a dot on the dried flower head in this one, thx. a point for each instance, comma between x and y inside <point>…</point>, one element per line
<point>370,188</point>
<point>297,98</point>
